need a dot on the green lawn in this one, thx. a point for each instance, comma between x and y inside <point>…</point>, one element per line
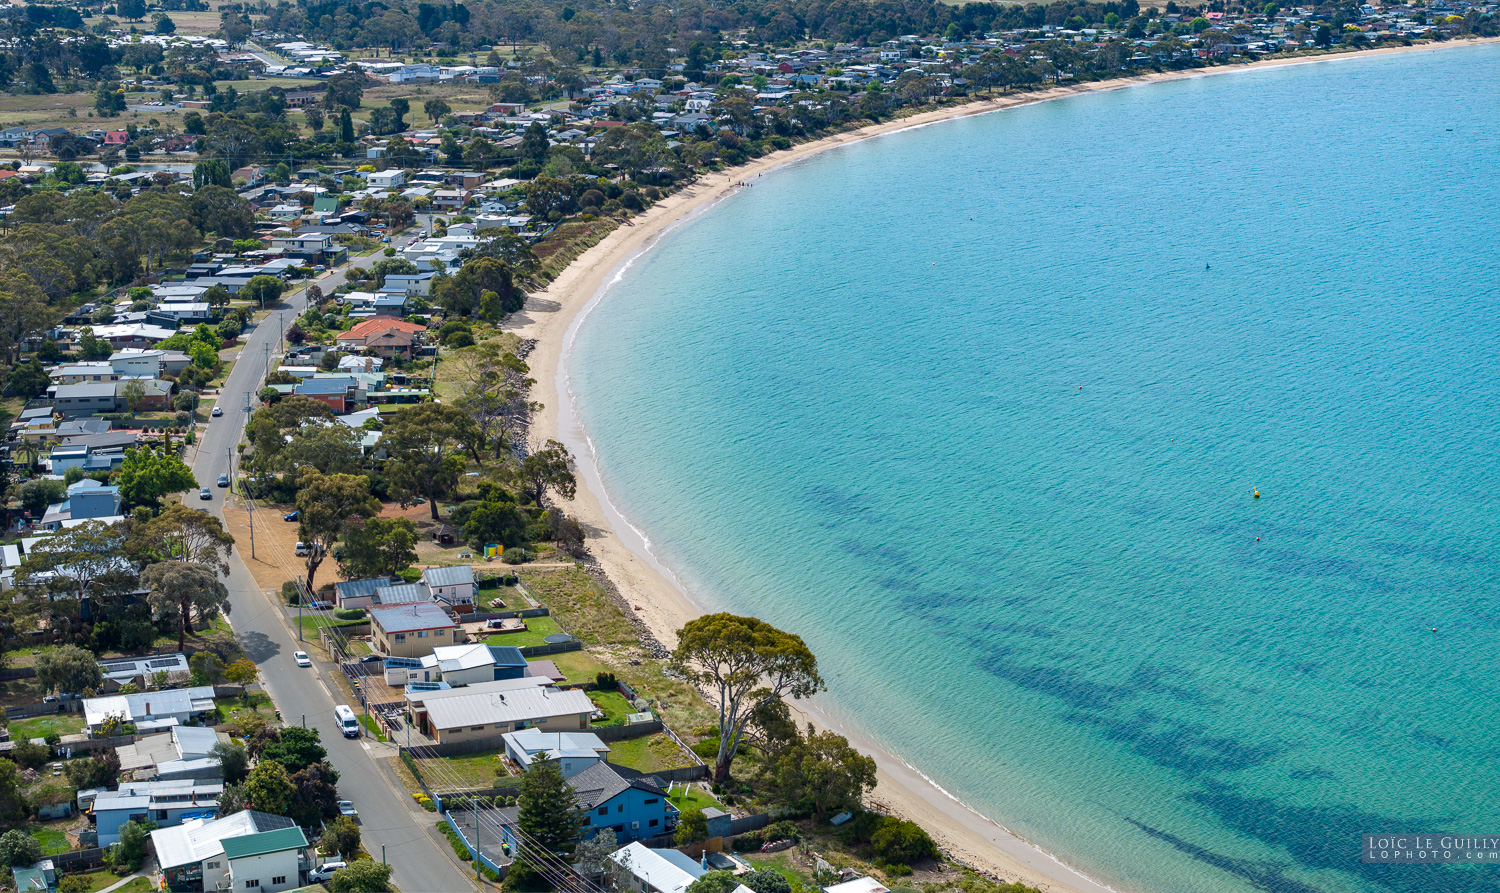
<point>475,770</point>
<point>537,629</point>
<point>52,840</point>
<point>98,880</point>
<point>650,753</point>
<point>689,797</point>
<point>578,666</point>
<point>312,620</point>
<point>613,704</point>
<point>42,726</point>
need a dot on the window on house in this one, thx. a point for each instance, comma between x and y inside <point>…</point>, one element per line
<point>619,807</point>
<point>653,823</point>
<point>651,800</point>
<point>604,810</point>
<point>210,865</point>
<point>400,637</point>
<point>477,729</point>
<point>280,879</point>
<point>252,884</point>
<point>422,634</point>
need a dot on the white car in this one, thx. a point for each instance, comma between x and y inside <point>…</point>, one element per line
<point>325,871</point>
<point>301,658</point>
<point>346,808</point>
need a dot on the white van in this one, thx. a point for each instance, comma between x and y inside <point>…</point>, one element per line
<point>348,722</point>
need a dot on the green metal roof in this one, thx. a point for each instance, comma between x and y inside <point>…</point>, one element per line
<point>264,842</point>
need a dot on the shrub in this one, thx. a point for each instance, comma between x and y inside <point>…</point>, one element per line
<point>751,841</point>
<point>606,682</point>
<point>899,842</point>
<point>350,613</point>
<point>289,593</point>
<point>19,848</point>
<point>30,756</point>
<point>766,882</point>
<point>708,748</point>
<point>72,883</point>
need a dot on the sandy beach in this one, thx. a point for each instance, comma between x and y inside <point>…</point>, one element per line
<point>553,316</point>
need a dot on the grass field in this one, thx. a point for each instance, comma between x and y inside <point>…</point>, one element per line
<point>98,880</point>
<point>42,726</point>
<point>47,110</point>
<point>686,797</point>
<point>614,705</point>
<point>578,666</point>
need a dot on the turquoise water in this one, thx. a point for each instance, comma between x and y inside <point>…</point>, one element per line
<point>979,409</point>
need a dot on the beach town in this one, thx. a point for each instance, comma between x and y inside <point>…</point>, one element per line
<point>312,586</point>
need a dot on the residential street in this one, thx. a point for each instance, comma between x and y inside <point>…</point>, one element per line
<point>422,859</point>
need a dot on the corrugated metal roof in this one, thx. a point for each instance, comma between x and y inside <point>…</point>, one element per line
<point>408,618</point>
<point>518,705</point>
<point>265,842</point>
<point>457,575</point>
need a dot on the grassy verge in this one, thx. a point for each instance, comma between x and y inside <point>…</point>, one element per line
<point>372,727</point>
<point>579,603</point>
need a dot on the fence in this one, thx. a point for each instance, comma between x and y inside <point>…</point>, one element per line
<point>626,732</point>
<point>78,860</point>
<point>743,824</point>
<point>683,744</point>
<point>541,611</point>
<point>22,711</point>
<point>684,774</point>
<point>17,673</point>
<point>474,851</point>
<point>559,648</point>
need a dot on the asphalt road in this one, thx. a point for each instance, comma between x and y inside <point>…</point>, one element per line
<point>422,860</point>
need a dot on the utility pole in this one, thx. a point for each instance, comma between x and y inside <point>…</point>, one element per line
<point>266,373</point>
<point>301,597</point>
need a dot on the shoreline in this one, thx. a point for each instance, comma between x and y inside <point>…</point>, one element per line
<point>553,317</point>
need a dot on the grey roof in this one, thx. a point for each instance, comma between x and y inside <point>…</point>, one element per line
<point>103,440</point>
<point>400,594</point>
<point>600,783</point>
<point>458,708</point>
<point>457,575</point>
<point>192,842</point>
<point>409,618</point>
<point>85,389</point>
<point>81,427</point>
<point>360,588</point>
<point>324,386</point>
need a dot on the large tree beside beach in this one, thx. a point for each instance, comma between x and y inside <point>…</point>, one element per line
<point>748,664</point>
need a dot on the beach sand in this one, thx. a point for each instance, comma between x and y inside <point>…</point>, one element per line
<point>552,316</point>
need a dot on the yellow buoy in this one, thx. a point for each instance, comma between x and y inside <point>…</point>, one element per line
<point>1257,494</point>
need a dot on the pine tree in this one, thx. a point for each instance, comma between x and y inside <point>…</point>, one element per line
<point>346,126</point>
<point>549,811</point>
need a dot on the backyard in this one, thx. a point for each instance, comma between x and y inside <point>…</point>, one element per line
<point>690,796</point>
<point>41,726</point>
<point>536,632</point>
<point>470,771</point>
<point>649,753</point>
<point>614,705</point>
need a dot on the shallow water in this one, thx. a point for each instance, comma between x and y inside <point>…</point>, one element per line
<point>979,410</point>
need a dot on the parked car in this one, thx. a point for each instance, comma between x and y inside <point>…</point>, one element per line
<point>205,493</point>
<point>223,480</point>
<point>320,606</point>
<point>301,658</point>
<point>325,871</point>
<point>346,807</point>
<point>370,658</point>
<point>217,412</point>
<point>291,516</point>
<point>301,550</point>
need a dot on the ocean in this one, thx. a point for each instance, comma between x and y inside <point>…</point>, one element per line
<point>1127,460</point>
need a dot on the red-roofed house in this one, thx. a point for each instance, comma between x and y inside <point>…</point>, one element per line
<point>383,336</point>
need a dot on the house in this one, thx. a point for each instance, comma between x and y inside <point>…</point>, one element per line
<point>248,850</point>
<point>136,334</point>
<point>140,670</point>
<point>84,399</point>
<point>462,665</point>
<point>78,373</point>
<point>416,284</point>
<point>358,593</point>
<point>449,199</point>
<point>480,715</point>
<point>858,885</point>
<point>87,499</point>
<point>658,871</point>
<point>386,179</point>
<point>421,71</point>
<point>39,878</point>
<point>454,586</point>
<point>166,803</point>
<point>82,455</point>
<point>573,752</point>
<point>185,753</point>
<point>411,630</point>
<point>303,245</point>
<point>183,311</point>
<point>339,393</point>
<point>628,807</point>
<point>143,394</point>
<point>149,711</point>
<point>384,337</point>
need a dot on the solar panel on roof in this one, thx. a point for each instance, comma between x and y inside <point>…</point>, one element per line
<point>162,662</point>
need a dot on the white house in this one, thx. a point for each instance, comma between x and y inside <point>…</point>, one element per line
<point>152,710</point>
<point>659,871</point>
<point>573,752</point>
<point>387,179</point>
<point>245,851</point>
<point>450,585</point>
